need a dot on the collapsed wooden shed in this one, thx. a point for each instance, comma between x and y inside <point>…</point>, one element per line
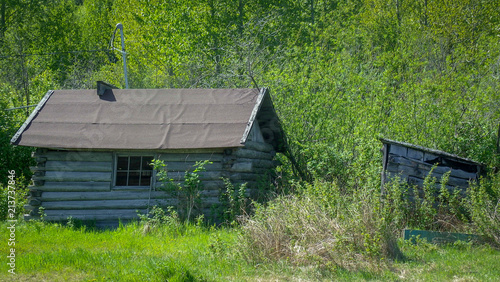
<point>94,149</point>
<point>412,164</point>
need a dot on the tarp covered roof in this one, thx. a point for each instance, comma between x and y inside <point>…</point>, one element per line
<point>142,119</point>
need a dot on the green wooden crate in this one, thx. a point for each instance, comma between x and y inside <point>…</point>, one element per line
<point>439,237</point>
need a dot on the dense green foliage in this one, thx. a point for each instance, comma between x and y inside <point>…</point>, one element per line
<point>342,74</point>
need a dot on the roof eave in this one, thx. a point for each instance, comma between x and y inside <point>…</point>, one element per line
<point>432,151</point>
<point>23,127</point>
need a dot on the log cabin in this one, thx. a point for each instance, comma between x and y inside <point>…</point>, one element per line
<point>94,148</point>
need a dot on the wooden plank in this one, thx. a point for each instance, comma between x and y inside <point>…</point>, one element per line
<point>415,154</point>
<point>107,204</point>
<point>77,156</point>
<point>398,150</point>
<point>439,170</point>
<point>74,186</point>
<point>422,174</point>
<point>77,166</point>
<point>252,154</point>
<point>67,176</point>
<point>190,157</point>
<point>451,188</point>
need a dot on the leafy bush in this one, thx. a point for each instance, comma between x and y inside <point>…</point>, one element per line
<point>157,217</point>
<point>19,197</point>
<point>233,202</point>
<point>484,207</point>
<point>187,193</point>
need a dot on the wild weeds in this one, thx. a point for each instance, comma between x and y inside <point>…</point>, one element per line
<point>233,202</point>
<point>322,224</point>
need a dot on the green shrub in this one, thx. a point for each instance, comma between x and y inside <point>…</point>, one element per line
<point>233,202</point>
<point>18,193</point>
<point>187,193</point>
<point>483,204</point>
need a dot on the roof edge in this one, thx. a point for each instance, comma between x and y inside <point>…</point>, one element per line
<point>429,150</point>
<point>31,117</point>
<point>256,108</point>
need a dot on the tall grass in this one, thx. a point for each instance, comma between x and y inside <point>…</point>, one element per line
<point>324,225</point>
<point>356,227</point>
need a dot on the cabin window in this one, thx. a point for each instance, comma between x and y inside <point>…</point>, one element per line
<point>133,171</point>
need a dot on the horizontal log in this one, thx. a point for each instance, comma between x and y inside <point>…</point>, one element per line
<point>107,214</point>
<point>73,186</point>
<point>259,146</point>
<point>203,175</point>
<point>206,184</point>
<point>111,195</point>
<point>242,167</point>
<point>180,166</point>
<point>107,204</point>
<point>66,176</point>
<point>259,163</point>
<point>77,156</point>
<point>252,154</point>
<point>115,195</point>
<point>425,168</point>
<point>190,157</point>
<point>76,166</point>
<point>246,176</point>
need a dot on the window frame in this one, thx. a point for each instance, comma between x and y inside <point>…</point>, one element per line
<point>116,155</point>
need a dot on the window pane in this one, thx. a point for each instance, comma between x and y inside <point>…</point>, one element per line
<point>121,178</point>
<point>122,163</point>
<point>135,163</point>
<point>133,179</point>
<point>146,161</point>
<point>145,179</point>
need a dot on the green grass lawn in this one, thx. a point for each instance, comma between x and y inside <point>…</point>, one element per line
<point>50,252</point>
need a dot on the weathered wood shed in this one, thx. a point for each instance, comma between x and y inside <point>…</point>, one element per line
<point>94,149</point>
<point>413,164</point>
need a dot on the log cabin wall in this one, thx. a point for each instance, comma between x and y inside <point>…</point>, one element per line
<point>81,185</point>
<point>412,164</point>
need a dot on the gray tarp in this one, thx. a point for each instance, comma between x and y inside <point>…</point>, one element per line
<point>140,119</point>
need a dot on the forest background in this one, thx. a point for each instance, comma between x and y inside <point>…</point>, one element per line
<point>342,74</point>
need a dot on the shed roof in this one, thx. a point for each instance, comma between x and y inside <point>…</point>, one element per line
<point>143,119</point>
